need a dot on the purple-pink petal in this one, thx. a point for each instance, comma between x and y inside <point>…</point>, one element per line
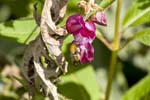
<point>80,40</point>
<point>89,30</point>
<point>90,26</point>
<point>74,23</point>
<point>87,53</point>
<point>100,18</point>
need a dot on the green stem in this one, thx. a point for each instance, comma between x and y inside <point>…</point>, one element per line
<point>114,53</point>
<point>111,73</point>
<point>116,28</point>
<point>104,41</point>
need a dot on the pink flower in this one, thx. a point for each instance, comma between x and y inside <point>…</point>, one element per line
<point>84,34</point>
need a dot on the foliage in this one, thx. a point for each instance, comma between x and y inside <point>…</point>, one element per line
<point>143,36</point>
<point>83,87</point>
<point>137,14</point>
<point>140,91</point>
<point>22,31</point>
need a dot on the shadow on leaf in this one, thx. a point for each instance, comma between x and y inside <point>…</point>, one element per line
<point>73,91</point>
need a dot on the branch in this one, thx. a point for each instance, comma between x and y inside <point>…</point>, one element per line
<point>104,41</point>
<point>127,42</point>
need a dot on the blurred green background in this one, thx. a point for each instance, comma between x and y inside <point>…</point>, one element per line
<point>83,82</point>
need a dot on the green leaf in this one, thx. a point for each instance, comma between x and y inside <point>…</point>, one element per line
<point>140,91</point>
<point>138,13</point>
<point>106,3</point>
<point>73,7</point>
<point>143,36</point>
<point>144,19</point>
<point>80,85</point>
<point>22,31</point>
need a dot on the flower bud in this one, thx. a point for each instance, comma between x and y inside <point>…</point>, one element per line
<point>99,18</point>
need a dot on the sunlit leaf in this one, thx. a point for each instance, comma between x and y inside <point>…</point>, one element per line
<point>144,19</point>
<point>80,85</point>
<point>73,7</point>
<point>106,3</point>
<point>138,13</point>
<point>22,31</point>
<point>141,91</point>
<point>143,36</point>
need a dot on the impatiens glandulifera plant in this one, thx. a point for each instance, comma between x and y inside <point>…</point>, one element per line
<point>83,29</point>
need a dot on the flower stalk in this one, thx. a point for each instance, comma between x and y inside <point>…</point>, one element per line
<point>113,61</point>
<point>105,42</point>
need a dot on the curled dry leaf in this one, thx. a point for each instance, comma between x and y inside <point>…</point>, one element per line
<point>43,59</point>
<point>88,6</point>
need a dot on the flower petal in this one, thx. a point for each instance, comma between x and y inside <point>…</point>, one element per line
<point>80,40</point>
<point>90,26</point>
<point>87,53</point>
<point>89,30</point>
<point>74,23</point>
